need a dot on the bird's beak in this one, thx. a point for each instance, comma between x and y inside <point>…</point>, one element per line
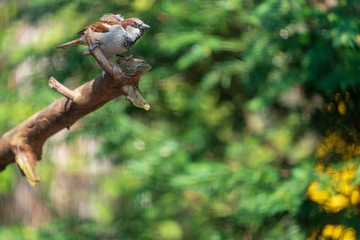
<point>144,26</point>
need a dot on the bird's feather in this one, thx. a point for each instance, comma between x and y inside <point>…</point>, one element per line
<point>104,24</point>
<point>111,17</point>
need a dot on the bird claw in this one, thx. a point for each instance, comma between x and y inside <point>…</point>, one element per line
<point>95,45</point>
<point>129,58</point>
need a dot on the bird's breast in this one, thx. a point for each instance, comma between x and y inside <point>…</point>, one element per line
<point>113,42</point>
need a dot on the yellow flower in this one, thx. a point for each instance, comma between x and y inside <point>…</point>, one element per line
<point>355,197</point>
<point>338,232</point>
<point>345,188</point>
<point>317,195</point>
<point>336,203</point>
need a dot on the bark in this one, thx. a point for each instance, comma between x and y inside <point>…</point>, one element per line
<point>23,144</point>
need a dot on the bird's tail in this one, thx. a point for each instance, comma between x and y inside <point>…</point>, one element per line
<point>77,41</point>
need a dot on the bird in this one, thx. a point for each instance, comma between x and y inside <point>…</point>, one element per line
<point>114,34</point>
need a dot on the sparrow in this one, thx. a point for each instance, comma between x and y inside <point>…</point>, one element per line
<point>114,34</point>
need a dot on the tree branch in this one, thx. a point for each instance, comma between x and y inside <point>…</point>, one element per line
<point>66,92</point>
<point>24,142</point>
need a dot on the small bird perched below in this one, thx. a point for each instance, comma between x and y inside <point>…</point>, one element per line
<point>114,33</point>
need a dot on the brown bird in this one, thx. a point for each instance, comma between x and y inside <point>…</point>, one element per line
<point>115,34</point>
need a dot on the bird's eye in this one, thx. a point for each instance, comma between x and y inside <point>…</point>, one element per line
<point>135,24</point>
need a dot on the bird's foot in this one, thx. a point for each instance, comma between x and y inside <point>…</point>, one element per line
<point>95,45</point>
<point>129,58</point>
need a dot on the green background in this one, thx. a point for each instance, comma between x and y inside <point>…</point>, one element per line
<point>241,92</point>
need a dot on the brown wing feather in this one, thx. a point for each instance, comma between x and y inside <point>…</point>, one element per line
<point>96,27</point>
<point>100,27</point>
<point>108,19</point>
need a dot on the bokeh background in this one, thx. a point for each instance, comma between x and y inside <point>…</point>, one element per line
<point>253,131</point>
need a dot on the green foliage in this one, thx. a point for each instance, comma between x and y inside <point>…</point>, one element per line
<point>237,95</point>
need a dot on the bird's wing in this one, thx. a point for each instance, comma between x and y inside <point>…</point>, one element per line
<point>102,26</point>
<point>112,17</point>
<point>105,21</point>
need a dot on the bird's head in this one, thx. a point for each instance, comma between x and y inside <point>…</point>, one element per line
<point>134,27</point>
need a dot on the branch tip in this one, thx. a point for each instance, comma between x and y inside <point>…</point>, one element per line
<point>66,92</point>
<point>26,159</point>
<point>134,96</point>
